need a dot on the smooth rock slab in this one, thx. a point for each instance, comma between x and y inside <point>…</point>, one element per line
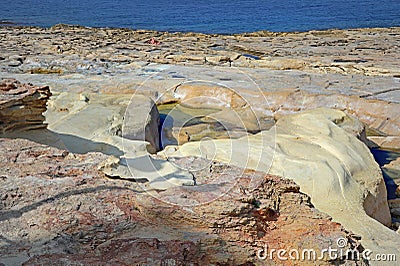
<point>102,118</point>
<point>141,121</point>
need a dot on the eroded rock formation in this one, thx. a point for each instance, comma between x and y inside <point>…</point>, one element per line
<point>21,106</point>
<point>354,51</point>
<point>57,207</point>
<point>319,151</point>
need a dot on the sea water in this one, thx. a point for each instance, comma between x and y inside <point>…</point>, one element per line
<point>207,16</point>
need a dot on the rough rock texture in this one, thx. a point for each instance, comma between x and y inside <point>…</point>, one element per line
<point>392,173</point>
<point>319,151</point>
<point>388,142</point>
<point>56,207</point>
<point>356,71</point>
<point>22,105</point>
<point>89,122</point>
<point>140,166</point>
<point>355,51</point>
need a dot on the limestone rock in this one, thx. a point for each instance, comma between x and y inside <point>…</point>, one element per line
<point>76,216</point>
<point>329,163</point>
<point>379,115</point>
<point>395,212</point>
<point>392,172</point>
<point>394,203</point>
<point>393,164</point>
<point>215,60</point>
<point>141,121</point>
<point>99,50</point>
<point>388,142</point>
<point>142,167</point>
<point>281,64</point>
<point>21,106</point>
<point>104,118</point>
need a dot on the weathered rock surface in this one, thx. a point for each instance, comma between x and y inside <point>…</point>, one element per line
<point>105,118</point>
<point>387,142</point>
<point>21,106</point>
<point>319,151</point>
<point>374,100</point>
<point>102,50</point>
<point>141,121</point>
<point>248,108</point>
<point>392,172</point>
<point>56,207</point>
<point>260,76</point>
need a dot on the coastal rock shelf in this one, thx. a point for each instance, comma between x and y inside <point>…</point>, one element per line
<point>70,49</point>
<point>22,106</point>
<point>196,148</point>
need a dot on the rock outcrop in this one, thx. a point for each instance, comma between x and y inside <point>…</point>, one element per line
<point>21,106</point>
<point>103,119</point>
<point>249,107</point>
<point>99,50</point>
<point>141,121</point>
<point>56,207</point>
<point>319,151</point>
<point>68,203</point>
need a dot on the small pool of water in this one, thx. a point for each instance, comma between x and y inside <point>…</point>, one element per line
<point>383,157</point>
<point>180,124</point>
<point>175,116</point>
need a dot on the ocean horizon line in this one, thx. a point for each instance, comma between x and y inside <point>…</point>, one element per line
<point>14,24</point>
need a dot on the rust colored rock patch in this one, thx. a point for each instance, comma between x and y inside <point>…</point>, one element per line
<point>57,207</point>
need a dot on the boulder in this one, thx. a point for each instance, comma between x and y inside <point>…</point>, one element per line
<point>21,106</point>
<point>141,121</point>
<point>104,119</point>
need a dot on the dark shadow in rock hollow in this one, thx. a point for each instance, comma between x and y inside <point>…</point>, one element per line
<point>383,157</point>
<point>165,131</point>
<point>67,142</point>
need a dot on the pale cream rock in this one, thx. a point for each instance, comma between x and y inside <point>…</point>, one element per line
<point>281,64</point>
<point>141,121</point>
<point>330,164</point>
<point>140,166</point>
<point>93,122</point>
<point>104,118</point>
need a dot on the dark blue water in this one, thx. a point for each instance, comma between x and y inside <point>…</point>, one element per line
<point>208,16</point>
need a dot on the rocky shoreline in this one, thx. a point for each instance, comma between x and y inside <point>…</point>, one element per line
<point>67,49</point>
<point>126,114</point>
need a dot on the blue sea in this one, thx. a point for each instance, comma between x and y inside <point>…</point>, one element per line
<point>208,16</point>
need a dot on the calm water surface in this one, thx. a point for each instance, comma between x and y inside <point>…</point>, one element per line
<point>208,16</point>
